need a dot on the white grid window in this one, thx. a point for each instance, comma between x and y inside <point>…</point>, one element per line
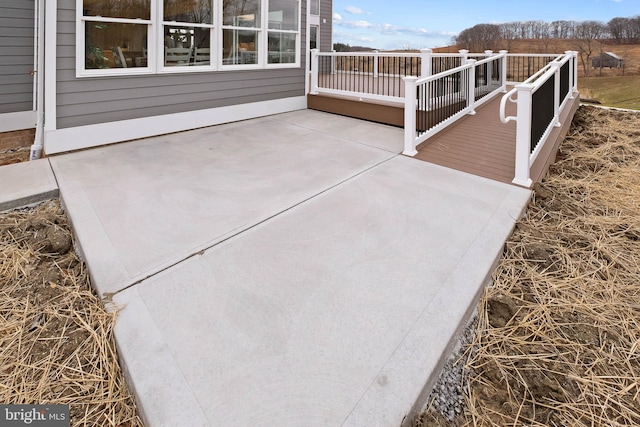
<point>126,37</point>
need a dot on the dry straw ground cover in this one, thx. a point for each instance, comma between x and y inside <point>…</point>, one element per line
<point>56,339</point>
<point>558,335</point>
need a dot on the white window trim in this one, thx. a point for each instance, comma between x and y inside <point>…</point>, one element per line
<point>155,32</point>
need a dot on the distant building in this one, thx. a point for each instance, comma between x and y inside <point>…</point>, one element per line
<point>607,59</point>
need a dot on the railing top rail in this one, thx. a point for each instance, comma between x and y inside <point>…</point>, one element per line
<point>446,55</point>
<point>490,58</point>
<point>445,73</point>
<point>545,72</point>
<point>536,55</point>
<point>459,68</point>
<point>363,54</point>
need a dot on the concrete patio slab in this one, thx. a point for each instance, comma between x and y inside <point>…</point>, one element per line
<point>289,270</point>
<point>335,312</point>
<point>371,134</point>
<point>143,206</point>
<point>26,183</point>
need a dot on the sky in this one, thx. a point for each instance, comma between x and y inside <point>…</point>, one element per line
<point>415,24</point>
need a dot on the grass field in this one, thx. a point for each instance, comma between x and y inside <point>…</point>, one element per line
<point>620,91</point>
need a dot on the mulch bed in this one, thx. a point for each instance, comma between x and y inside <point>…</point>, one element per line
<point>558,335</point>
<point>56,338</point>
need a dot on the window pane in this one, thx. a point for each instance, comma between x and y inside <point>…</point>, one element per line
<point>241,13</point>
<point>315,7</point>
<point>313,37</point>
<point>193,11</point>
<point>283,15</point>
<point>282,48</point>
<point>240,47</point>
<point>184,46</point>
<point>110,45</point>
<point>131,9</point>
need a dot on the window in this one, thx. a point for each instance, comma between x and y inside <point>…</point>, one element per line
<point>116,34</point>
<point>187,31</point>
<point>314,7</point>
<point>241,30</point>
<point>122,37</point>
<point>283,32</point>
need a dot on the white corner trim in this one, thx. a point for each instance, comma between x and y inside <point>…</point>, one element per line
<point>18,121</point>
<point>76,138</point>
<point>50,64</point>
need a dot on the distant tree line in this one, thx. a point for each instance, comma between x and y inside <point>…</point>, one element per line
<point>586,37</point>
<point>489,36</point>
<point>341,47</point>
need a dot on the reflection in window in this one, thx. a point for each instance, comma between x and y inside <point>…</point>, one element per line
<point>117,34</point>
<point>191,11</point>
<point>315,7</point>
<point>282,48</point>
<point>186,46</point>
<point>240,47</point>
<point>131,9</point>
<point>187,28</point>
<point>115,45</point>
<point>283,15</point>
<point>241,13</point>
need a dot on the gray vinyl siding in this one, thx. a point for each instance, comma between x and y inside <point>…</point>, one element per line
<point>16,51</point>
<point>326,30</point>
<point>87,101</point>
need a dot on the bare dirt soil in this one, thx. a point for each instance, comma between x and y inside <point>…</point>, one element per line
<point>56,338</point>
<point>14,156</point>
<point>558,335</point>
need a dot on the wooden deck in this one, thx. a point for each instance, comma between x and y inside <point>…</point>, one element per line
<point>480,144</point>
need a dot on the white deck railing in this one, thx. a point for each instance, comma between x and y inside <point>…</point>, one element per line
<point>540,100</point>
<point>435,102</point>
<point>437,89</point>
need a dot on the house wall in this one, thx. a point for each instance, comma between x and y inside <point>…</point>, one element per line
<point>16,51</point>
<point>326,25</point>
<point>16,81</point>
<point>97,100</point>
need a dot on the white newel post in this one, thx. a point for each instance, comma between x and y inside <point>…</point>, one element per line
<point>410,93</point>
<point>503,70</point>
<point>314,71</point>
<point>375,63</point>
<point>464,55</point>
<point>471,87</point>
<point>489,75</point>
<point>426,70</point>
<point>523,135</point>
<point>555,66</point>
<point>573,72</point>
<point>333,62</point>
<point>425,62</point>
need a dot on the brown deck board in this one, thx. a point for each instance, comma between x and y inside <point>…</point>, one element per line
<point>478,144</point>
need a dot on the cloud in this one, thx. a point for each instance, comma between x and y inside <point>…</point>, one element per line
<point>354,10</point>
<point>356,24</point>
<point>337,17</point>
<point>392,30</point>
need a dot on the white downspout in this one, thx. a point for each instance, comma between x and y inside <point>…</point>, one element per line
<point>36,148</point>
